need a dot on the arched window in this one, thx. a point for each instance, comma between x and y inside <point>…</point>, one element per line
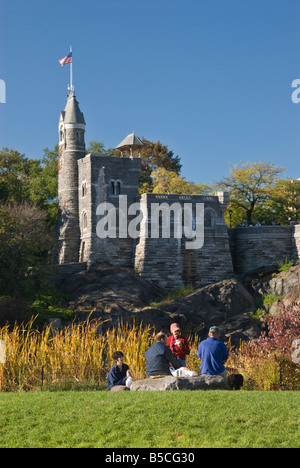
<point>112,188</point>
<point>209,219</point>
<point>84,190</point>
<point>118,188</point>
<point>84,220</point>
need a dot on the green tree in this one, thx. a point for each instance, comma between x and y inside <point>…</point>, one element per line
<point>284,202</point>
<point>165,181</point>
<point>95,147</point>
<point>250,186</point>
<point>154,156</point>
<point>14,176</point>
<point>43,186</point>
<point>25,247</point>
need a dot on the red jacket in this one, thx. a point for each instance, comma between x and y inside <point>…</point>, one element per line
<point>179,352</point>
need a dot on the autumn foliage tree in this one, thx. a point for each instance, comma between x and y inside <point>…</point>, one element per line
<point>250,186</point>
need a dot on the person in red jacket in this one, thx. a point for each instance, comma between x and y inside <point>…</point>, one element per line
<point>178,344</point>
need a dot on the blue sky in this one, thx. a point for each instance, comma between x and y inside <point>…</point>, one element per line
<point>209,78</point>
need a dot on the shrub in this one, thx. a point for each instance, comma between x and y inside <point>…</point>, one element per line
<point>284,266</point>
<point>267,361</point>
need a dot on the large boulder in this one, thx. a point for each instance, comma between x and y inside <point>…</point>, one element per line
<point>284,282</point>
<point>226,304</point>
<point>113,294</point>
<point>201,382</point>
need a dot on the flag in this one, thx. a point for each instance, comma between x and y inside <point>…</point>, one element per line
<point>65,60</point>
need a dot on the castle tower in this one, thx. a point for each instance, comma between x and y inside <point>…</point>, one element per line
<point>71,149</point>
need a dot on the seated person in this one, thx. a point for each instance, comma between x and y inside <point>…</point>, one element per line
<point>213,354</point>
<point>119,373</point>
<point>178,344</point>
<point>159,356</point>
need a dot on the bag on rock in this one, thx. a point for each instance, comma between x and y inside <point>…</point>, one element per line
<point>182,372</point>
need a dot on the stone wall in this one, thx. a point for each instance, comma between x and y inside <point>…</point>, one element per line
<point>168,262</point>
<point>102,179</point>
<point>255,247</point>
<point>296,243</point>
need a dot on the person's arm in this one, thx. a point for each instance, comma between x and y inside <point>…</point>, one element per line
<point>185,347</point>
<point>171,358</point>
<point>199,351</point>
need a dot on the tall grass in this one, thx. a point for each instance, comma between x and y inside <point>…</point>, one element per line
<point>77,355</point>
<point>80,357</point>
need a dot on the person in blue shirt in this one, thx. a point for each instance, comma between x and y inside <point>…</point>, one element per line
<point>119,373</point>
<point>213,354</point>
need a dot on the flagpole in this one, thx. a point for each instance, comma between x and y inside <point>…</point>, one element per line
<point>71,71</point>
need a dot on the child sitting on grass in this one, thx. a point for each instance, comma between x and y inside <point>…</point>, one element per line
<point>119,376</point>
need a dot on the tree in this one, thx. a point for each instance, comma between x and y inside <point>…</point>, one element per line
<point>170,182</point>
<point>250,186</point>
<point>154,156</point>
<point>43,185</point>
<point>25,244</point>
<point>284,202</point>
<point>98,147</point>
<point>95,147</point>
<point>14,176</point>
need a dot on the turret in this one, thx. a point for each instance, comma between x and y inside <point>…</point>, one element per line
<point>71,149</point>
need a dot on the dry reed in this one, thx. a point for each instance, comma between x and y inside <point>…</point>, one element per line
<point>75,355</point>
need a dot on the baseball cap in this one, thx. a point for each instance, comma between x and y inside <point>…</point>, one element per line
<point>174,327</point>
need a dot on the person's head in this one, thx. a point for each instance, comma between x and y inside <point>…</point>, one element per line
<point>161,337</point>
<point>118,357</point>
<point>175,330</point>
<point>214,332</point>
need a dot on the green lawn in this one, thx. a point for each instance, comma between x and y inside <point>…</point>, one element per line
<point>150,419</point>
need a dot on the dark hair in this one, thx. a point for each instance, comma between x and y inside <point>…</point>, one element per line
<point>160,336</point>
<point>117,355</point>
<point>235,381</point>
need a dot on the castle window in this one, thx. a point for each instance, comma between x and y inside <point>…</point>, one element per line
<point>118,188</point>
<point>84,220</point>
<point>209,219</point>
<point>112,188</point>
<point>84,190</point>
<point>82,252</point>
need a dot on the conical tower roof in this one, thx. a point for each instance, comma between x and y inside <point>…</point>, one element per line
<point>72,113</point>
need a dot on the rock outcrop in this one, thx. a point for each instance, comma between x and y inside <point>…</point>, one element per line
<point>201,382</point>
<point>113,294</point>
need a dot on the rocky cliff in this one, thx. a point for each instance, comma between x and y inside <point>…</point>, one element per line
<point>113,294</point>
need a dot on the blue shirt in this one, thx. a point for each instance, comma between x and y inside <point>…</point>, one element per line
<point>213,354</point>
<point>116,377</point>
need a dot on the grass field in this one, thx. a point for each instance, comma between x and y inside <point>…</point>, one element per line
<point>150,419</point>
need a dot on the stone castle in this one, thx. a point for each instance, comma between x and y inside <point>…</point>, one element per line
<point>87,181</point>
